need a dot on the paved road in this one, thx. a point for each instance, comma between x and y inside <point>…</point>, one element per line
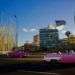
<point>29,73</point>
<point>64,71</point>
<point>69,71</point>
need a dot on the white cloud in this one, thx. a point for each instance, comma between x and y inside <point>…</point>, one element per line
<point>33,30</point>
<point>25,30</point>
<point>29,30</point>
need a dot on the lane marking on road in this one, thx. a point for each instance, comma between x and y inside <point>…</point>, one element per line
<point>44,73</point>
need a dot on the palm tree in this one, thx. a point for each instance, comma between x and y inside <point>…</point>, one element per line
<point>68,33</point>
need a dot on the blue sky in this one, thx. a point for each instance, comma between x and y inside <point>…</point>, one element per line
<point>36,14</point>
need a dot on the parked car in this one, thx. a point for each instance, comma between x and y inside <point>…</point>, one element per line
<point>18,54</point>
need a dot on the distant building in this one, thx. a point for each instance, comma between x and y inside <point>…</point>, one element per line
<point>72,39</point>
<point>36,40</point>
<point>28,46</point>
<point>8,32</point>
<point>68,43</point>
<point>48,37</point>
<point>7,39</point>
<point>60,22</point>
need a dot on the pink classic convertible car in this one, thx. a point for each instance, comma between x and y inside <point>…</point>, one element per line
<point>67,58</point>
<point>61,58</point>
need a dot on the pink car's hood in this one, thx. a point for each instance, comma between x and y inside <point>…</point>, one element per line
<point>68,58</point>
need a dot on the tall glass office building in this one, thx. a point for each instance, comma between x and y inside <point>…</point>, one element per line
<point>49,37</point>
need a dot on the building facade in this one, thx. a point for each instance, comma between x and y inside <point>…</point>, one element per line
<point>72,39</point>
<point>7,33</point>
<point>49,37</point>
<point>36,40</point>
